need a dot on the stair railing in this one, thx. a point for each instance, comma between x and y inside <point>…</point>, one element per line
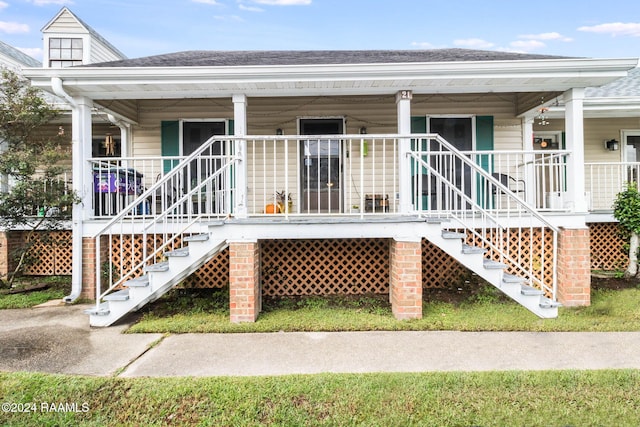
<point>182,198</point>
<point>449,184</point>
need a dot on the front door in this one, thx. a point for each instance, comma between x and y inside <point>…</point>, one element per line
<point>321,165</point>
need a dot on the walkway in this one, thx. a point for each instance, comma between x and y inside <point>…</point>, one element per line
<point>58,339</point>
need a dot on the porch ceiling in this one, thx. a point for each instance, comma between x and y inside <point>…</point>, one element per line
<point>108,83</point>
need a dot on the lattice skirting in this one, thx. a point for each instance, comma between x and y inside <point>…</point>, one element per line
<point>607,246</point>
<point>320,267</point>
<point>50,253</point>
<point>323,267</point>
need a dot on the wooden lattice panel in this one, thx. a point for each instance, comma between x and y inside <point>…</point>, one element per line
<point>50,253</point>
<point>323,267</point>
<point>439,269</point>
<point>607,246</point>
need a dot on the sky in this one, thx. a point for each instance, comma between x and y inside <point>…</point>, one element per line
<point>581,28</point>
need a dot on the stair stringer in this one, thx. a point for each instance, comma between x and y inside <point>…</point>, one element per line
<point>453,246</point>
<point>159,282</point>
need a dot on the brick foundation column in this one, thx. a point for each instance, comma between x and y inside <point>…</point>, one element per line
<point>574,270</point>
<point>245,300</point>
<point>89,266</point>
<point>4,255</point>
<point>405,285</point>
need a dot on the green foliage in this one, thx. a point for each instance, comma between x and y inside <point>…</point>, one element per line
<point>626,208</point>
<point>34,194</point>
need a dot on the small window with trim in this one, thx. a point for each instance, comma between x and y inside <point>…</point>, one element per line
<point>65,52</point>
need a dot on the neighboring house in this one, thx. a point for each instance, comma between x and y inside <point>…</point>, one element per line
<point>68,41</point>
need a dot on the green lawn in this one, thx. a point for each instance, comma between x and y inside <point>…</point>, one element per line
<point>58,287</point>
<point>611,310</point>
<point>563,398</point>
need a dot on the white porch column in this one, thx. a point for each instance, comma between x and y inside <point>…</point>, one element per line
<point>240,129</point>
<point>529,170</point>
<point>574,128</point>
<point>82,185</point>
<point>403,104</point>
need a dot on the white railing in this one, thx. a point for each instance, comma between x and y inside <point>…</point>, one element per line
<point>448,183</point>
<point>538,176</point>
<point>322,174</point>
<point>604,180</point>
<point>186,195</point>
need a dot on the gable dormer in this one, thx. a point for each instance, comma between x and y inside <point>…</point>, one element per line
<point>68,41</point>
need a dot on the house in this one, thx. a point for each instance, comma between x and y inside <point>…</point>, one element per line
<point>297,172</point>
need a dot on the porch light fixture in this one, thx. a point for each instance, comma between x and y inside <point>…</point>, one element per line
<point>279,131</point>
<point>542,119</point>
<point>612,145</point>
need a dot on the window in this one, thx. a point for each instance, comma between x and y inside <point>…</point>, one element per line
<point>65,52</point>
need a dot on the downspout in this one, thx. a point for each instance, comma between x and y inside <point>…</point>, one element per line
<point>76,218</point>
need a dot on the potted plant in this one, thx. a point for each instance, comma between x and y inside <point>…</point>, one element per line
<point>284,202</point>
<point>355,208</point>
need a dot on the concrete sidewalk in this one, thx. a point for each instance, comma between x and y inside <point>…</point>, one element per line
<point>58,339</point>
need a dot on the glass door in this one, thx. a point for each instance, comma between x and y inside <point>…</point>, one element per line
<point>321,165</point>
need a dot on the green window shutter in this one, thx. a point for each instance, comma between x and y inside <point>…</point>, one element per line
<point>231,130</point>
<point>169,142</point>
<point>419,124</point>
<point>484,142</point>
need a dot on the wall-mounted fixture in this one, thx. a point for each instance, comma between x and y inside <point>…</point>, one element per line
<point>365,144</point>
<point>279,131</point>
<point>612,145</point>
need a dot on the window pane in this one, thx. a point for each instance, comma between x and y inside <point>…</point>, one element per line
<point>54,43</point>
<point>54,53</point>
<point>66,43</point>
<point>66,54</point>
<point>76,43</point>
<point>76,54</point>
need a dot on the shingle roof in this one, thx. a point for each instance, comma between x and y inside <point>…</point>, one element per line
<point>18,56</point>
<point>625,86</point>
<point>208,58</point>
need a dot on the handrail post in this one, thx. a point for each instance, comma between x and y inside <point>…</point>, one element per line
<point>403,103</point>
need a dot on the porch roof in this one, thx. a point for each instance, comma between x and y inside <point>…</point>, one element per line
<point>199,74</point>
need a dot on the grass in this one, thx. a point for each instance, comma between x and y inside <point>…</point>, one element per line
<point>486,310</point>
<point>562,398</point>
<point>58,287</point>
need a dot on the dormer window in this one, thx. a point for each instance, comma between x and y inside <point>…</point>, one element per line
<point>65,52</point>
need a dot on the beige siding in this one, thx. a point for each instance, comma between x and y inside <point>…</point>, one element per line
<point>66,23</point>
<point>266,168</point>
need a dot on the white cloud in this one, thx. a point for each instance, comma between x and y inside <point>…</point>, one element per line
<point>422,45</point>
<point>229,18</point>
<point>283,2</point>
<point>473,43</point>
<point>211,2</point>
<point>614,29</point>
<point>546,36</point>
<point>250,8</point>
<point>3,5</point>
<point>528,45</point>
<point>13,27</point>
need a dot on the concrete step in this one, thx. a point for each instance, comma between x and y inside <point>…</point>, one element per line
<point>446,234</point>
<point>182,252</point>
<point>197,238</point>
<point>138,282</point>
<point>121,295</point>
<point>157,268</point>
<point>493,265</point>
<point>101,310</point>
<point>549,303</point>
<point>530,291</point>
<point>467,249</point>
<point>511,279</point>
